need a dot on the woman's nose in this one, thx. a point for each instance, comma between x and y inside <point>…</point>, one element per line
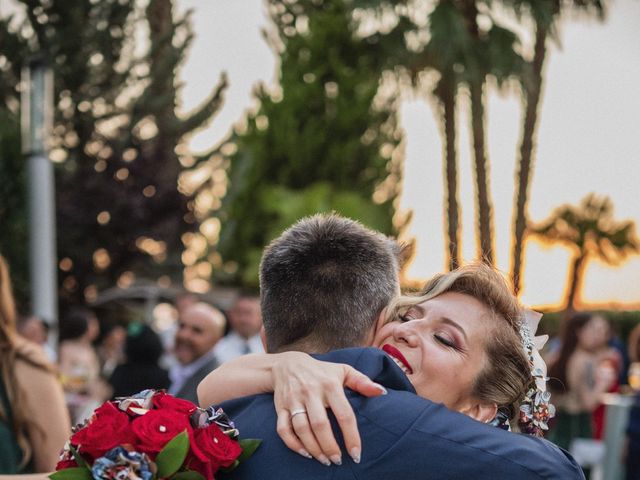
<point>406,333</point>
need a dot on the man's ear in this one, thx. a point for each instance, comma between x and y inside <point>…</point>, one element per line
<point>263,338</point>
<point>482,412</point>
<point>381,321</point>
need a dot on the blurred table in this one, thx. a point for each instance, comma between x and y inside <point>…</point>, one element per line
<point>616,418</point>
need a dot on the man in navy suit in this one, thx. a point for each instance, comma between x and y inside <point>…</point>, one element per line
<point>327,274</point>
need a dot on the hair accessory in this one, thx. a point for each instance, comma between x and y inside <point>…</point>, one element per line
<point>535,409</point>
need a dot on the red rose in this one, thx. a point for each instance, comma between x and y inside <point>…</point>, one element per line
<point>156,428</point>
<point>108,428</point>
<point>62,464</point>
<point>162,400</point>
<point>216,447</point>
<point>203,467</point>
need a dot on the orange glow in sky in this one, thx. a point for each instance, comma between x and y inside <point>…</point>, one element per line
<point>588,139</point>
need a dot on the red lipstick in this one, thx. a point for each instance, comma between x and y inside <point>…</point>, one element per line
<point>395,353</point>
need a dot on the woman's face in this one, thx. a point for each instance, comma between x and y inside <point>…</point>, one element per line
<point>440,346</point>
<point>594,334</point>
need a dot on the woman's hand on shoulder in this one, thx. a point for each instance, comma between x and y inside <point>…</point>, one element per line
<point>303,390</point>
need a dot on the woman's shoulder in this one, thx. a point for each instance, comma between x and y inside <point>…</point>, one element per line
<point>579,359</point>
<point>37,380</point>
<point>31,355</point>
<point>76,351</point>
<point>580,364</point>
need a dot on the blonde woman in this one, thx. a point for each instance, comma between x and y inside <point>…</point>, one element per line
<point>34,422</point>
<point>458,342</point>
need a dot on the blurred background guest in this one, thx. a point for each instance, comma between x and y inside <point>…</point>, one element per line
<point>245,320</point>
<point>36,330</point>
<point>140,371</point>
<point>200,327</point>
<point>634,344</point>
<point>79,365</point>
<point>582,373</point>
<point>611,352</point>
<point>182,302</point>
<point>31,433</point>
<point>110,347</point>
<point>632,453</point>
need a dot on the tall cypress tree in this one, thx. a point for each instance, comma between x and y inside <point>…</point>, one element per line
<point>117,130</point>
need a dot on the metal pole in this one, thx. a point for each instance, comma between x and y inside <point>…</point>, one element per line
<point>37,122</point>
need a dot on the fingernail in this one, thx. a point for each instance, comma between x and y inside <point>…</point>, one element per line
<point>337,459</point>
<point>355,454</point>
<point>324,460</point>
<point>382,389</point>
<point>304,453</point>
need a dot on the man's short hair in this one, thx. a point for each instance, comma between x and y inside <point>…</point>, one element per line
<point>324,282</point>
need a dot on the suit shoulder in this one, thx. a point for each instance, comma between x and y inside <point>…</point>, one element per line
<point>410,426</point>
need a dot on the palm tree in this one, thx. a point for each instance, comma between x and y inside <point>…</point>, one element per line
<point>494,54</point>
<point>590,230</point>
<point>446,51</point>
<point>545,16</point>
<point>446,94</point>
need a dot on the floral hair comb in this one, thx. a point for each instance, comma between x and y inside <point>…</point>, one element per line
<point>535,409</point>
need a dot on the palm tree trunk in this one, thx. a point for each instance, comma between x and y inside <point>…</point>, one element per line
<point>484,207</point>
<point>533,90</point>
<point>575,281</point>
<point>448,99</point>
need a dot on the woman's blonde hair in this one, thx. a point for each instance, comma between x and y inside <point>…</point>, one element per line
<point>506,376</point>
<point>12,350</point>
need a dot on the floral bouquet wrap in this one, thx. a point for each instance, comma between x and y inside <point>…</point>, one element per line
<point>151,436</point>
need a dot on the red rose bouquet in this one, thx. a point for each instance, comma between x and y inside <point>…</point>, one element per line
<point>152,436</point>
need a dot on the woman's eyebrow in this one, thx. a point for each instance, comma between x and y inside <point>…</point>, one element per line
<point>455,325</point>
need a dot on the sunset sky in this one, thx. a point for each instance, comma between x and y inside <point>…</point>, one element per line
<point>589,138</point>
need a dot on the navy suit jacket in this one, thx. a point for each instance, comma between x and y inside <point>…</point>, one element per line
<point>403,436</point>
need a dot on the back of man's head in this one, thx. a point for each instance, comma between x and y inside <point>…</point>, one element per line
<point>323,283</point>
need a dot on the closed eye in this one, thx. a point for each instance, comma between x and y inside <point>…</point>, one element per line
<point>446,341</point>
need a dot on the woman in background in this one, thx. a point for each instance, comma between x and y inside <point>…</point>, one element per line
<point>79,364</point>
<point>31,433</point>
<point>579,377</point>
<point>143,349</point>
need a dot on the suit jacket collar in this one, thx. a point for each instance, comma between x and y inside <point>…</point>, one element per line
<point>188,390</point>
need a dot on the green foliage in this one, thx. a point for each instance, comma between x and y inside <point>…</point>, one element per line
<point>322,142</point>
<point>249,446</point>
<point>172,455</point>
<point>13,206</point>
<point>187,475</point>
<point>77,473</point>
